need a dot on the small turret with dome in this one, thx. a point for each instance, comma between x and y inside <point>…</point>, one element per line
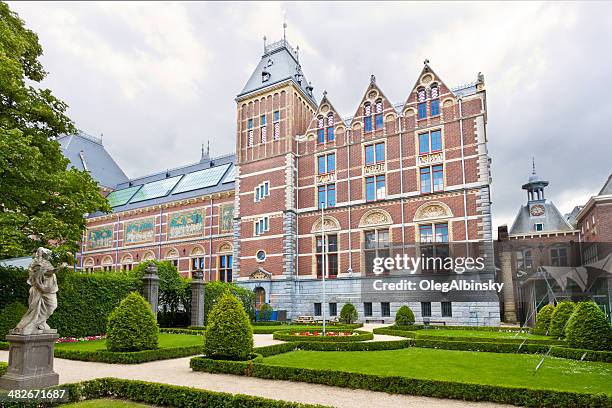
<point>535,186</point>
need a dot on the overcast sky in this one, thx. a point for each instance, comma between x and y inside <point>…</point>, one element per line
<point>159,79</point>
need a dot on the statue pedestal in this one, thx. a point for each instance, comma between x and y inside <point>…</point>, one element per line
<point>30,362</point>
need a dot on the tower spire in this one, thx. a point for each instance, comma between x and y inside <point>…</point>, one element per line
<point>285,30</point>
<point>533,165</point>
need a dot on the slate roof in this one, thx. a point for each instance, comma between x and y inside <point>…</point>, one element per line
<point>607,188</point>
<point>552,220</point>
<point>87,153</point>
<point>280,60</point>
<point>176,185</point>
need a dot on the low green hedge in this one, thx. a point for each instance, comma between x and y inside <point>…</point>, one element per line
<point>268,323</point>
<point>284,327</point>
<point>417,333</point>
<point>402,385</point>
<point>128,357</point>
<point>4,345</point>
<point>510,329</point>
<point>272,350</point>
<point>288,336</point>
<point>176,330</point>
<point>3,367</point>
<point>158,394</point>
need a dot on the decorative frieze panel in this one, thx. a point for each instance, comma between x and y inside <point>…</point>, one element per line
<point>431,158</point>
<point>99,238</point>
<point>326,178</point>
<point>226,218</point>
<point>185,224</point>
<point>431,211</point>
<point>374,169</point>
<point>139,231</point>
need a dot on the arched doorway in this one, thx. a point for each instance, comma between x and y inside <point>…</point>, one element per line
<point>260,297</point>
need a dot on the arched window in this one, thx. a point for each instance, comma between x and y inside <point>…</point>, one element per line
<point>262,123</point>
<point>378,118</point>
<point>434,94</point>
<point>367,117</point>
<point>422,103</point>
<point>320,130</point>
<point>330,127</point>
<point>250,131</point>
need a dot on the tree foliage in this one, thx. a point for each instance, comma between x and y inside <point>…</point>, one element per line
<point>348,314</point>
<point>10,317</point>
<point>215,289</point>
<point>404,316</point>
<point>228,335</point>
<point>42,202</point>
<point>588,328</point>
<point>543,320</point>
<point>132,326</point>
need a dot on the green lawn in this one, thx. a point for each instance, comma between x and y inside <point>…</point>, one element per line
<point>481,333</point>
<point>166,340</point>
<point>104,403</point>
<point>461,366</point>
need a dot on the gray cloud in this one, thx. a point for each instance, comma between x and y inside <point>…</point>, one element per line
<point>158,79</point>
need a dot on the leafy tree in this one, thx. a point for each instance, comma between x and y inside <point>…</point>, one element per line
<point>348,314</point>
<point>404,316</point>
<point>560,317</point>
<point>265,312</point>
<point>42,202</point>
<point>543,320</point>
<point>228,335</point>
<point>132,325</point>
<point>588,328</point>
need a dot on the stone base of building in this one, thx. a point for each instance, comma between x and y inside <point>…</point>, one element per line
<point>30,362</point>
<point>298,297</point>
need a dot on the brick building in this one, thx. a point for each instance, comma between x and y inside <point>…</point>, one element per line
<point>390,176</point>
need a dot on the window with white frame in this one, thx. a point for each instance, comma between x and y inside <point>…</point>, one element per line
<point>262,123</point>
<point>262,191</point>
<point>262,225</point>
<point>250,131</point>
<point>276,120</point>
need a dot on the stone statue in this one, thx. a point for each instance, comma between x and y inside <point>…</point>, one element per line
<point>43,296</point>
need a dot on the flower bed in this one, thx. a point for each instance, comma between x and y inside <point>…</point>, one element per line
<point>79,339</point>
<point>317,335</point>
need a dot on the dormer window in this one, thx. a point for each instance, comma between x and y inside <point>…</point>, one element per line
<point>265,76</point>
<point>539,226</point>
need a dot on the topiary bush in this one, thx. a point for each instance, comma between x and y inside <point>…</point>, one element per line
<point>404,316</point>
<point>348,314</point>
<point>132,326</point>
<point>588,328</point>
<point>560,317</point>
<point>265,312</point>
<point>543,320</point>
<point>10,316</point>
<point>228,335</point>
<point>214,290</point>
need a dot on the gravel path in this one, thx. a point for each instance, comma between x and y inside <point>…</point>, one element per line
<point>177,372</point>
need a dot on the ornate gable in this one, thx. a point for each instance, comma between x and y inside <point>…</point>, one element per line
<point>325,116</point>
<point>427,86</point>
<point>374,102</point>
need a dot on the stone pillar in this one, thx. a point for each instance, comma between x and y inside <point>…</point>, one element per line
<point>505,260</point>
<point>197,298</point>
<point>30,362</point>
<point>150,286</point>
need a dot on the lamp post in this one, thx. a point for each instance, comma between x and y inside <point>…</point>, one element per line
<point>323,263</point>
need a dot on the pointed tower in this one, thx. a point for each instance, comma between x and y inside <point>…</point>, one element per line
<point>275,105</point>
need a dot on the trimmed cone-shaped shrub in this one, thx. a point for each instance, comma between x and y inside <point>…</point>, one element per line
<point>543,320</point>
<point>228,335</point>
<point>9,317</point>
<point>560,317</point>
<point>348,314</point>
<point>404,316</point>
<point>588,328</point>
<point>132,325</point>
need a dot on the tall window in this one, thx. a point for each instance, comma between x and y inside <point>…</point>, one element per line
<point>262,191</point>
<point>321,130</point>
<point>375,153</point>
<point>558,256</point>
<point>326,163</point>
<point>385,309</point>
<point>425,309</point>
<point>433,246</point>
<point>317,309</point>
<point>447,309</point>
<point>276,125</point>
<point>262,122</point>
<point>333,309</point>
<point>432,179</point>
<point>250,131</point>
<point>197,263</point>
<point>225,268</point>
<point>326,196</point>
<point>330,127</point>
<point>331,255</point>
<point>367,309</point>
<point>376,245</point>
<point>378,117</point>
<point>434,93</point>
<point>375,188</point>
<point>367,117</point>
<point>262,225</point>
<point>430,142</point>
<point>422,103</point>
